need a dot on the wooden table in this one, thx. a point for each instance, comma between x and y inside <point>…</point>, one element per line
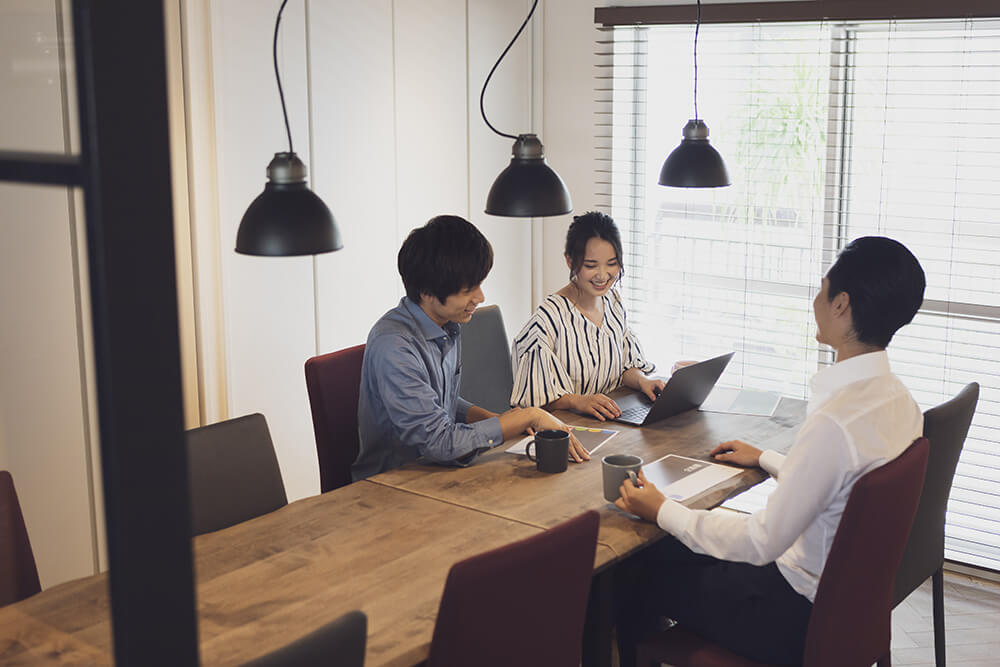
<point>384,546</point>
<point>509,486</point>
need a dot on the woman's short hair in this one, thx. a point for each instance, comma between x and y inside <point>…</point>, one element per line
<point>443,257</point>
<point>592,224</point>
<point>885,285</point>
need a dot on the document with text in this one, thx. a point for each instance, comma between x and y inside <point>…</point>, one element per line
<point>680,477</point>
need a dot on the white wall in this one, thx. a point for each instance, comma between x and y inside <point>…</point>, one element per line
<point>44,412</point>
<point>568,108</point>
<point>383,101</point>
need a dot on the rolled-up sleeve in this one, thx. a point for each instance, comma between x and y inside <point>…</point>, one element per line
<point>540,379</point>
<point>632,355</point>
<point>416,412</point>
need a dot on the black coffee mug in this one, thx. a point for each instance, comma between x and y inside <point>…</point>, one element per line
<point>552,450</point>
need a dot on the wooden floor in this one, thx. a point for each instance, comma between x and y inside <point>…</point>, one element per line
<point>972,624</point>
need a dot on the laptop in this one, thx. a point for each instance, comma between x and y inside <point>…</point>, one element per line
<point>686,389</point>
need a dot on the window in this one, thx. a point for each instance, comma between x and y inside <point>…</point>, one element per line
<point>830,130</point>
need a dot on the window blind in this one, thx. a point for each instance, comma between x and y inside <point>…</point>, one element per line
<point>830,130</point>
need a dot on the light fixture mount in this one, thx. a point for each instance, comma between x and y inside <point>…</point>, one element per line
<point>287,218</point>
<point>695,163</point>
<point>528,187</point>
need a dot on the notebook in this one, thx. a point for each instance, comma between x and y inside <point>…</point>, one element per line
<point>686,389</point>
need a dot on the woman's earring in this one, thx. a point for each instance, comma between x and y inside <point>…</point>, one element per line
<point>572,277</point>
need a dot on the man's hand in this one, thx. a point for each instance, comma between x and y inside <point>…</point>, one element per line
<point>643,501</point>
<point>596,405</point>
<point>544,420</point>
<point>738,452</point>
<point>651,387</point>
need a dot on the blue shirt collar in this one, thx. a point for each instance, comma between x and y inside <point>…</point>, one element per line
<point>427,327</point>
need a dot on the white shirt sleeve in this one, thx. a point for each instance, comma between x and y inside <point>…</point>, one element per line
<point>810,477</point>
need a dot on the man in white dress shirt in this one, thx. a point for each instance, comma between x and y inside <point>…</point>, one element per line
<point>747,582</point>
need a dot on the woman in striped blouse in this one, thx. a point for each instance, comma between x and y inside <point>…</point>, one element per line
<point>577,346</point>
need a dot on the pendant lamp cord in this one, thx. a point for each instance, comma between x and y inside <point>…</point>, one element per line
<point>696,26</point>
<point>482,95</point>
<point>277,76</point>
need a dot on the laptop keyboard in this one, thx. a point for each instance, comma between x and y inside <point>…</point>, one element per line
<point>636,414</point>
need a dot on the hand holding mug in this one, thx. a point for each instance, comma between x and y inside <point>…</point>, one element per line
<point>642,499</point>
<point>616,468</point>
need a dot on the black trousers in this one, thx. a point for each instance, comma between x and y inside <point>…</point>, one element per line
<point>750,610</point>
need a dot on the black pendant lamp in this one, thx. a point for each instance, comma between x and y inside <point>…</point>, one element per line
<point>528,187</point>
<point>288,218</point>
<point>695,163</point>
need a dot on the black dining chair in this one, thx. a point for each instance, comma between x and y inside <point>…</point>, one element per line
<point>18,574</point>
<point>487,376</point>
<point>339,643</point>
<point>233,473</point>
<point>946,427</point>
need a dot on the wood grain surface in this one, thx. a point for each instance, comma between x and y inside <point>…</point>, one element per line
<point>265,582</point>
<point>384,546</point>
<point>510,486</point>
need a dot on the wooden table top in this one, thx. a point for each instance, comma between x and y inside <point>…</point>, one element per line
<point>384,546</point>
<point>265,582</point>
<point>510,486</point>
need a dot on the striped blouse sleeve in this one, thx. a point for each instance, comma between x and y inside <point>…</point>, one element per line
<point>632,355</point>
<point>539,377</point>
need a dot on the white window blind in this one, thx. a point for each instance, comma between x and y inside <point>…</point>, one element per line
<point>830,131</point>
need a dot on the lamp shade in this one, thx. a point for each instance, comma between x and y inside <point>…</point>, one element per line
<point>695,163</point>
<point>287,218</point>
<point>528,187</point>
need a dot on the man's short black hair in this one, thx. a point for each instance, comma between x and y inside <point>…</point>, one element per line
<point>445,256</point>
<point>885,285</point>
<point>592,224</point>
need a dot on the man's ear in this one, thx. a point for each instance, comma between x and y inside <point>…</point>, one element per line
<point>841,303</point>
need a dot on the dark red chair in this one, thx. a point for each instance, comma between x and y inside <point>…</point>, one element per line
<point>18,574</point>
<point>850,624</point>
<point>334,382</point>
<point>340,642</point>
<point>522,604</point>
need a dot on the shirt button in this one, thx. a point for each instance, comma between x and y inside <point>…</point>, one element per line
<point>491,441</point>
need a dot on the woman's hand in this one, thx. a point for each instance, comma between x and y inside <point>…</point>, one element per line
<point>738,452</point>
<point>643,501</point>
<point>651,387</point>
<point>681,364</point>
<point>598,406</point>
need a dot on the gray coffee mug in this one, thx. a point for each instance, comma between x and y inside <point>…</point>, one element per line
<point>617,468</point>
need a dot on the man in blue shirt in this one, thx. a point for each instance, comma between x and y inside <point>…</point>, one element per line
<point>409,404</point>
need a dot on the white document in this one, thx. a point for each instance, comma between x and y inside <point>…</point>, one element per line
<point>753,499</point>
<point>591,438</point>
<point>680,477</point>
<point>741,401</point>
